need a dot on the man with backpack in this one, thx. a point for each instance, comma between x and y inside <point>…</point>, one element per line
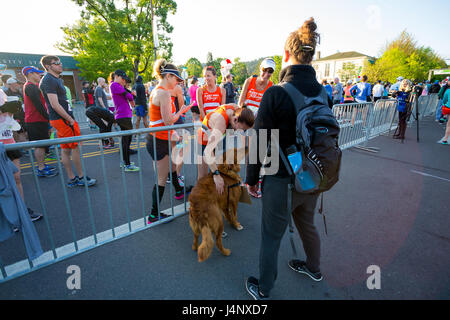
<point>229,89</point>
<point>288,116</point>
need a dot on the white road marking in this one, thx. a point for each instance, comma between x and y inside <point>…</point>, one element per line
<point>429,175</point>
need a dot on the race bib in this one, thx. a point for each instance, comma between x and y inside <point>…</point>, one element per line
<point>7,126</point>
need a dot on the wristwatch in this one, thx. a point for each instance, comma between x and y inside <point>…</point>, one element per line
<point>216,173</point>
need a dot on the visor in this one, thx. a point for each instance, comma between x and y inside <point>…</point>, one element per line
<point>174,72</point>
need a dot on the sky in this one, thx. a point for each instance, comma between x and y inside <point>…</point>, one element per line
<point>248,29</point>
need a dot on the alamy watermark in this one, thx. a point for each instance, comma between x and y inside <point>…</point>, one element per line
<point>74,280</point>
<point>374,281</point>
<point>257,143</point>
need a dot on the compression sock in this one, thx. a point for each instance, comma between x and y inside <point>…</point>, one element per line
<point>175,182</point>
<point>154,197</point>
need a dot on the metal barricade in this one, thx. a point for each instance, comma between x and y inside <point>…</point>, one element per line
<point>360,122</point>
<point>427,107</point>
<point>79,114</point>
<point>432,105</point>
<point>87,224</point>
<point>382,116</point>
<point>353,119</point>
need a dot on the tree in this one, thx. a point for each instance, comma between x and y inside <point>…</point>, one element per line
<point>194,67</point>
<point>240,72</point>
<point>131,32</point>
<point>348,72</point>
<point>83,42</point>
<point>403,57</point>
<point>278,63</point>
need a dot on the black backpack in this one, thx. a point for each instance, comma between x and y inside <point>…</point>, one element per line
<point>317,133</point>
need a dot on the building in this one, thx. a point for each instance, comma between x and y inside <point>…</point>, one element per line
<point>345,65</point>
<point>16,61</point>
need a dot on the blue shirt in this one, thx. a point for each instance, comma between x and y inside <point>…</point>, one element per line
<point>362,91</point>
<point>329,90</point>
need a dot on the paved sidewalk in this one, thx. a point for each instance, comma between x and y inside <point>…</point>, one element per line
<point>389,210</point>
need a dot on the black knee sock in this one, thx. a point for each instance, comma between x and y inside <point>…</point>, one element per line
<point>154,197</point>
<point>175,182</point>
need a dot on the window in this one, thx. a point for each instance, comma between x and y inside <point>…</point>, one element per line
<point>327,70</point>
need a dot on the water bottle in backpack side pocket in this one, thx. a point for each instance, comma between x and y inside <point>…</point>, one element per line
<point>303,178</point>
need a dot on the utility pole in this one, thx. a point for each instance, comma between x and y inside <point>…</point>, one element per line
<point>155,31</point>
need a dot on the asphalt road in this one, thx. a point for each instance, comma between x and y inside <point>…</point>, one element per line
<point>388,210</point>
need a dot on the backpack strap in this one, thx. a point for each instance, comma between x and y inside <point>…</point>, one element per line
<point>298,99</point>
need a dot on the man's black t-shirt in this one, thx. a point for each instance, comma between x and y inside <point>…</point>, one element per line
<point>140,99</point>
<point>51,84</point>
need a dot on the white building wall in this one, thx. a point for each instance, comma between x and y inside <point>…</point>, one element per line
<point>335,66</point>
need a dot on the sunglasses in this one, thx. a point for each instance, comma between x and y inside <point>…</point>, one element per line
<point>268,70</point>
<point>58,63</point>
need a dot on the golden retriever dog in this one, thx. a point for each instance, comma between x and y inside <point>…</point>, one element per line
<point>206,207</point>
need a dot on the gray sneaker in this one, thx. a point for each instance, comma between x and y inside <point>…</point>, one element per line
<point>90,182</point>
<point>300,267</point>
<point>131,168</point>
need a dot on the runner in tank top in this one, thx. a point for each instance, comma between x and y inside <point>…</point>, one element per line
<point>210,96</point>
<point>254,87</point>
<point>163,113</point>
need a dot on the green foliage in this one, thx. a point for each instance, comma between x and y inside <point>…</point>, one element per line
<point>348,72</point>
<point>194,67</point>
<point>403,57</point>
<point>276,75</point>
<point>83,42</point>
<point>115,33</point>
<point>240,72</point>
<point>253,66</point>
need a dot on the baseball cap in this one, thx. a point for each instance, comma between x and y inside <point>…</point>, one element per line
<point>349,82</point>
<point>30,69</point>
<point>400,78</point>
<point>268,63</point>
<point>122,74</point>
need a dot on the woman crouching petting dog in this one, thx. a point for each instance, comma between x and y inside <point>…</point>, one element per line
<point>225,117</point>
<point>163,113</point>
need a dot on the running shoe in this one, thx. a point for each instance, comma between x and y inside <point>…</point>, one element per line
<point>90,182</point>
<point>46,173</point>
<point>179,195</point>
<point>154,218</point>
<point>122,164</point>
<point>49,168</point>
<point>300,267</point>
<point>442,142</point>
<point>131,168</point>
<point>181,180</point>
<point>73,182</point>
<point>252,287</point>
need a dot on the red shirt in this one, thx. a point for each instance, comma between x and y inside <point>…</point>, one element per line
<point>34,101</point>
